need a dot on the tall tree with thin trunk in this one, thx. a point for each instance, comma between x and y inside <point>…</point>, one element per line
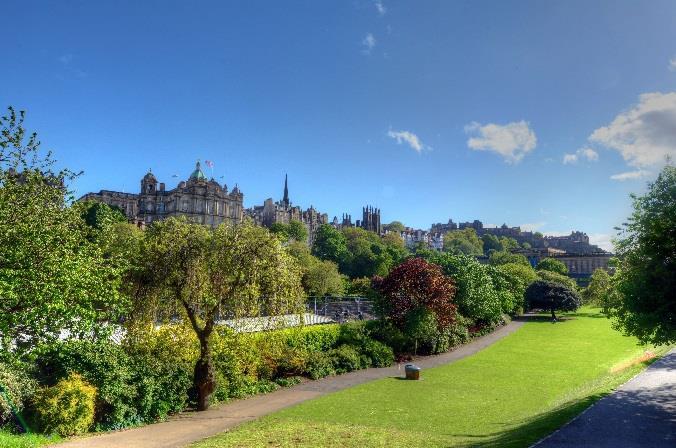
<point>202,274</point>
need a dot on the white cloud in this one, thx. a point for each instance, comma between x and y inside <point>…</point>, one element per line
<point>630,175</point>
<point>672,64</point>
<point>532,226</point>
<point>644,135</point>
<point>603,240</point>
<point>380,8</point>
<point>66,59</point>
<point>586,153</point>
<point>409,138</point>
<point>512,140</point>
<point>368,43</point>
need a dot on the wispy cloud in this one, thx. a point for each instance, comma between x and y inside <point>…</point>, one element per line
<point>645,135</point>
<point>672,64</point>
<point>630,175</point>
<point>512,140</point>
<point>368,43</point>
<point>532,226</point>
<point>583,153</point>
<point>408,138</point>
<point>603,240</point>
<point>66,59</point>
<point>380,7</point>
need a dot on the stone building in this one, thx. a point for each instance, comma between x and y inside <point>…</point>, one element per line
<point>284,211</point>
<point>370,219</point>
<point>201,200</point>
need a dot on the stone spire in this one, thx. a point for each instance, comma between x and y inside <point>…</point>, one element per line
<point>286,190</point>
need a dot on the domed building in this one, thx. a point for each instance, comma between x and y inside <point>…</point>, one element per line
<point>202,200</point>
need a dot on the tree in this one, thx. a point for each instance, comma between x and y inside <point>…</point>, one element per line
<point>555,277</point>
<point>417,284</point>
<point>646,275</point>
<point>552,265</point>
<point>294,230</point>
<point>464,242</point>
<point>476,296</point>
<point>99,215</point>
<point>329,244</point>
<point>596,293</point>
<point>233,271</point>
<point>52,277</point>
<point>551,296</point>
<point>491,243</point>
<point>517,277</point>
<point>323,279</point>
<point>498,258</point>
<point>395,226</point>
<point>508,243</point>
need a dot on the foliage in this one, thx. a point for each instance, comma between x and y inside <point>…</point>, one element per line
<point>323,279</point>
<point>491,243</point>
<point>498,258</point>
<point>599,289</point>
<point>529,384</point>
<point>51,277</point>
<point>16,389</point>
<point>476,296</point>
<point>236,270</point>
<point>346,358</point>
<point>646,275</point>
<point>395,226</point>
<point>422,327</point>
<point>554,277</point>
<point>518,278</point>
<point>329,244</point>
<point>99,215</point>
<point>509,289</point>
<point>552,265</point>
<point>465,242</point>
<point>414,284</point>
<point>293,231</point>
<point>367,255</point>
<point>67,408</point>
<point>551,296</point>
<point>362,287</point>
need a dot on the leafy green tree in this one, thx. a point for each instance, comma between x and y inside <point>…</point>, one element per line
<point>599,288</point>
<point>463,242</point>
<point>362,287</point>
<point>395,226</point>
<point>99,215</point>
<point>234,271</point>
<point>498,258</point>
<point>518,277</point>
<point>323,279</point>
<point>330,244</point>
<point>646,275</point>
<point>476,297</point>
<point>297,230</point>
<point>557,278</point>
<point>508,243</point>
<point>552,297</point>
<point>552,265</point>
<point>491,243</point>
<point>52,277</point>
<point>526,245</point>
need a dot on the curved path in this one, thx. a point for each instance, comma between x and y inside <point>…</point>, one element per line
<point>640,413</point>
<point>189,427</point>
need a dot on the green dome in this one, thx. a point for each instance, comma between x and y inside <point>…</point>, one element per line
<point>198,174</point>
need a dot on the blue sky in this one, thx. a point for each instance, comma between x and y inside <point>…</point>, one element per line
<point>543,114</point>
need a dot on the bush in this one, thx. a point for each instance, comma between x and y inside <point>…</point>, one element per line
<point>319,365</point>
<point>346,359</point>
<point>552,297</point>
<point>422,328</point>
<point>379,354</point>
<point>552,265</point>
<point>385,332</point>
<point>66,408</point>
<point>16,389</point>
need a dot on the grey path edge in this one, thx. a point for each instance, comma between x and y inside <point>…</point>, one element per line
<point>188,427</point>
<point>640,413</point>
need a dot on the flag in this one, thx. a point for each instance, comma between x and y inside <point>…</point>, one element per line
<point>209,163</point>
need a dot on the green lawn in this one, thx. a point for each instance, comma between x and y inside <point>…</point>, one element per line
<point>8,440</point>
<point>511,394</point>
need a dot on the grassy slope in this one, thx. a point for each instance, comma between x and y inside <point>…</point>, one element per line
<point>8,440</point>
<point>511,394</point>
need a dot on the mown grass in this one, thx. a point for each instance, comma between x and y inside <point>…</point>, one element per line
<point>8,440</point>
<point>509,395</point>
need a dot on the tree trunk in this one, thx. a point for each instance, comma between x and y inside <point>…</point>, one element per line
<point>205,378</point>
<point>553,316</point>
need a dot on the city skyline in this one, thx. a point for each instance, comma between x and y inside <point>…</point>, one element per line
<point>428,111</point>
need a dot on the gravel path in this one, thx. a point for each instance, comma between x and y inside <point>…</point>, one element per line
<point>641,413</point>
<point>189,427</point>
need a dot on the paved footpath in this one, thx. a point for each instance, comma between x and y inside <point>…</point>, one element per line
<point>189,427</point>
<point>641,413</point>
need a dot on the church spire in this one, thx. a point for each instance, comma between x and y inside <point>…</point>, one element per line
<point>286,190</point>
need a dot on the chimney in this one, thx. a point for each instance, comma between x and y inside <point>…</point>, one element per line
<point>161,186</point>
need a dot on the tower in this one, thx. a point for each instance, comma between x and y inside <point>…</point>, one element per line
<point>286,201</point>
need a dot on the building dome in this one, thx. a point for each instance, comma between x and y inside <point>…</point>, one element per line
<point>198,174</point>
<point>150,177</point>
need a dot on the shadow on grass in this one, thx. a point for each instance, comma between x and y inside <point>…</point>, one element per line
<point>534,429</point>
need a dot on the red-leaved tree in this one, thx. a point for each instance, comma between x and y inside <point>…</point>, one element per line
<point>414,284</point>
